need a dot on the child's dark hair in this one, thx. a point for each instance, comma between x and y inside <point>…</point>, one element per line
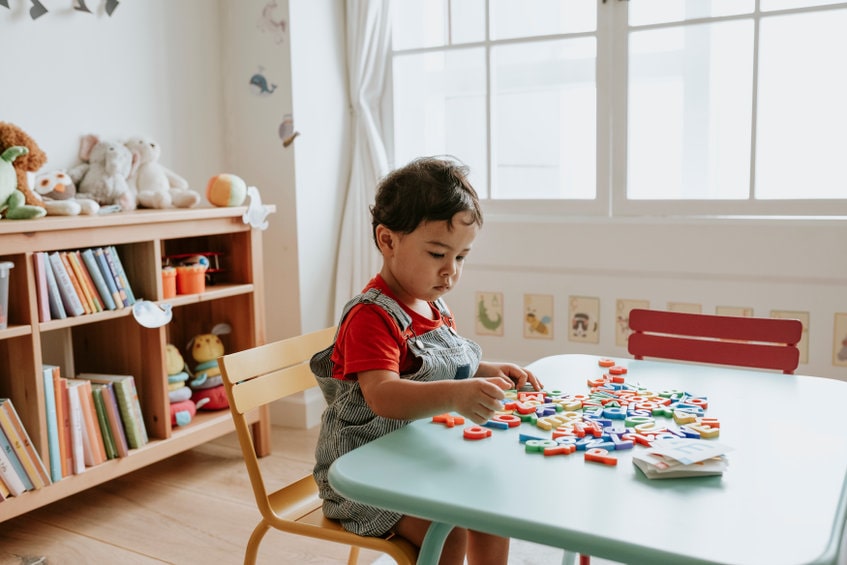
<point>428,189</point>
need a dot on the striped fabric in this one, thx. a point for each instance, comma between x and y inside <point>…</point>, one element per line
<point>348,422</point>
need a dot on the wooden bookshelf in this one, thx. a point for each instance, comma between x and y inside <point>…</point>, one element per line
<point>113,342</point>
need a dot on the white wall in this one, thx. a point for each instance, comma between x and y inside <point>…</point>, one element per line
<point>765,264</point>
<point>254,149</point>
<point>152,68</point>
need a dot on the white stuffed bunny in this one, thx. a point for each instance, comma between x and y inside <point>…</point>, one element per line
<point>104,174</point>
<point>155,186</point>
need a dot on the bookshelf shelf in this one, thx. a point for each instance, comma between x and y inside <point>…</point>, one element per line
<point>112,341</point>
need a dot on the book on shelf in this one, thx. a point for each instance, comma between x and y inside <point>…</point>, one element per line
<point>120,274</point>
<point>678,458</point>
<point>97,278</point>
<point>4,490</point>
<point>77,425</point>
<point>11,469</point>
<point>9,449</point>
<point>108,278</point>
<point>116,277</point>
<point>60,392</point>
<point>87,281</point>
<point>55,458</point>
<point>70,299</point>
<point>130,407</point>
<point>113,414</point>
<point>63,418</point>
<point>92,438</point>
<point>57,309</point>
<point>22,444</point>
<point>41,285</point>
<point>78,282</point>
<point>103,422</point>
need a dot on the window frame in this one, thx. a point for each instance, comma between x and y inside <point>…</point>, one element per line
<point>611,72</point>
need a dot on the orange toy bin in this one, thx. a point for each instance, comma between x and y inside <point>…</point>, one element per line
<point>190,280</point>
<point>168,283</point>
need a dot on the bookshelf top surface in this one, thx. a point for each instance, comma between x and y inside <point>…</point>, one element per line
<point>135,217</point>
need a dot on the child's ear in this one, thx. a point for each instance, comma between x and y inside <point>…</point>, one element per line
<point>384,238</point>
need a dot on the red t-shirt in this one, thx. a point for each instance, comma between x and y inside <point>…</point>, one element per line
<point>369,338</point>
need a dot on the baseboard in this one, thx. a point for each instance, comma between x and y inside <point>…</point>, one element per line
<point>301,411</point>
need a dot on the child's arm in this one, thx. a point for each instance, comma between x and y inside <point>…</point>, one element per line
<point>390,396</point>
<point>518,375</point>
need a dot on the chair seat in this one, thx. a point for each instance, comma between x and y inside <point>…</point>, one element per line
<point>298,510</point>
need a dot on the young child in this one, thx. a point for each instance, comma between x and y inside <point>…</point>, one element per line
<point>397,356</point>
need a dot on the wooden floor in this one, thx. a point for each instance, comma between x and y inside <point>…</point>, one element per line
<point>194,508</point>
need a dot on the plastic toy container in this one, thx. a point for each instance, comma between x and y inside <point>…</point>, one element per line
<point>190,280</point>
<point>168,282</point>
<point>5,267</point>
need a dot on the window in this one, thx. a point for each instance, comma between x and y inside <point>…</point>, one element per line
<point>629,108</point>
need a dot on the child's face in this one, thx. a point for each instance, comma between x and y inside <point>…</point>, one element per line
<point>427,263</point>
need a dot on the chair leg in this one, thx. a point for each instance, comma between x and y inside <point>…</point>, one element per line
<point>354,555</point>
<point>253,543</point>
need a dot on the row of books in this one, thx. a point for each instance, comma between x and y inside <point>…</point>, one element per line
<point>90,419</point>
<point>73,283</point>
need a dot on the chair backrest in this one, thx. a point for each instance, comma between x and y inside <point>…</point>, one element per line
<point>256,377</point>
<point>761,343</point>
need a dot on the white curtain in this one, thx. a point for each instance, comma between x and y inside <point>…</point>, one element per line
<point>368,52</point>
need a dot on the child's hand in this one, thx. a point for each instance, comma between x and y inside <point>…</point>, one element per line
<point>479,399</point>
<point>518,376</point>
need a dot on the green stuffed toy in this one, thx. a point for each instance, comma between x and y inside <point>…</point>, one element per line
<point>12,201</point>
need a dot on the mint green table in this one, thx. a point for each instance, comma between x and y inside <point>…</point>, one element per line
<point>781,501</point>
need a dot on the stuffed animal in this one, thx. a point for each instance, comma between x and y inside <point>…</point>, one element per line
<point>103,175</point>
<point>28,162</point>
<point>58,194</point>
<point>156,186</point>
<point>207,382</point>
<point>183,407</point>
<point>12,201</point>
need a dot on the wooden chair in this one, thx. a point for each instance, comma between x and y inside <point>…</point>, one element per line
<point>254,378</point>
<point>761,343</point>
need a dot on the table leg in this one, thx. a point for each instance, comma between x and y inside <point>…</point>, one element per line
<point>569,558</point>
<point>433,543</point>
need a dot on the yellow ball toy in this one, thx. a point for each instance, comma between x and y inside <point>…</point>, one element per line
<point>226,190</point>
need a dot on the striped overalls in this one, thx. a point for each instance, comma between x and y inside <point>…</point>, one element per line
<point>348,422</point>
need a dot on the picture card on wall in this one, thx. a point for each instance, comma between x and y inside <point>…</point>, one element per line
<point>489,313</point>
<point>584,316</point>
<point>803,346</point>
<point>622,309</point>
<point>687,307</point>
<point>538,316</point>
<point>839,340</point>
<point>743,311</point>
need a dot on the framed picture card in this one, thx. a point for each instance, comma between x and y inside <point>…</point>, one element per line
<point>622,309</point>
<point>489,313</point>
<point>803,346</point>
<point>687,307</point>
<point>538,316</point>
<point>839,340</point>
<point>734,311</point>
<point>584,319</point>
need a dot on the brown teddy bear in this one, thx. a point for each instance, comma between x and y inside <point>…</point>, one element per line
<point>10,136</point>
